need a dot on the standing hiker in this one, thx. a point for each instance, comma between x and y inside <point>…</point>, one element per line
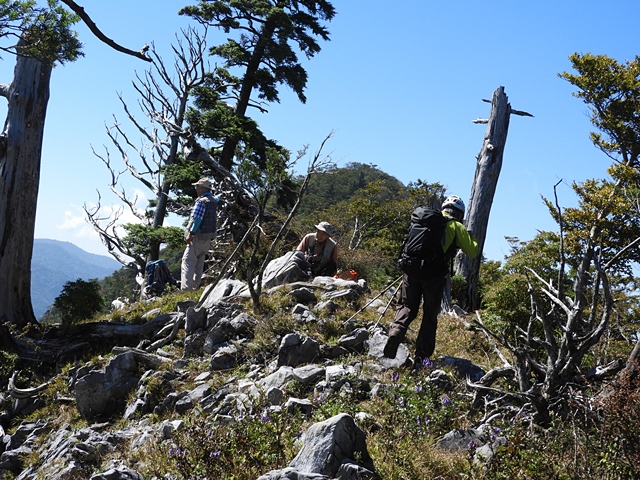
<point>320,250</point>
<point>426,256</point>
<point>200,231</point>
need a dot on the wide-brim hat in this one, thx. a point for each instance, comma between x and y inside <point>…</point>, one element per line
<point>203,182</point>
<point>326,228</point>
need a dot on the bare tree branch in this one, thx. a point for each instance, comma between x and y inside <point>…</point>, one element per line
<point>78,10</point>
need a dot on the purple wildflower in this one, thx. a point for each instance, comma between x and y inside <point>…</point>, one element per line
<point>427,363</point>
<point>446,400</point>
<point>426,418</point>
<point>395,376</point>
<point>215,454</point>
<point>472,445</point>
<point>172,451</point>
<point>418,388</point>
<point>265,418</point>
<point>418,419</point>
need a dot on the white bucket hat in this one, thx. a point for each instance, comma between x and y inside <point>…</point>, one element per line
<point>325,227</point>
<point>204,182</point>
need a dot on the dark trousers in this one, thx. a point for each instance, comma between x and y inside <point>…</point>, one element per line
<point>328,270</point>
<point>417,288</point>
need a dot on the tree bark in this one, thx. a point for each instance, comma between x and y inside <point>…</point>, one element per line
<point>483,190</point>
<point>27,96</point>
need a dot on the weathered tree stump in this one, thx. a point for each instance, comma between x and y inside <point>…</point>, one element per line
<point>484,188</point>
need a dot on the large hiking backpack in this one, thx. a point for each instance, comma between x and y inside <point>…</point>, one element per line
<point>422,248</point>
<point>158,278</point>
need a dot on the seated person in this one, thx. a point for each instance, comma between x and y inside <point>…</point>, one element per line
<point>320,251</point>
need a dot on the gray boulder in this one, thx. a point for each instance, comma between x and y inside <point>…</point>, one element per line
<point>302,405</point>
<point>303,295</point>
<point>224,358</point>
<point>224,289</point>
<point>225,329</point>
<point>354,340</point>
<point>328,306</point>
<point>296,350</point>
<point>196,318</point>
<point>289,268</point>
<point>278,379</point>
<point>376,350</point>
<point>303,314</point>
<point>347,294</point>
<point>102,393</point>
<point>327,444</point>
<point>308,374</point>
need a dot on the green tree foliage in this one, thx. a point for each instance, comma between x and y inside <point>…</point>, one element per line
<point>342,184</point>
<point>79,300</point>
<point>505,291</point>
<point>121,283</point>
<point>45,31</point>
<point>613,208</point>
<point>140,238</point>
<point>608,215</point>
<point>264,57</point>
<point>612,91</point>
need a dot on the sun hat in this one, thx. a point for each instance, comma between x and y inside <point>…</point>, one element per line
<point>203,182</point>
<point>325,227</point>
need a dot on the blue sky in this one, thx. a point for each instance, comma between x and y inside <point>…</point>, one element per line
<point>399,85</point>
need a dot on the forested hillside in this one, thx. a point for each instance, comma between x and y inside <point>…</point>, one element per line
<point>54,263</point>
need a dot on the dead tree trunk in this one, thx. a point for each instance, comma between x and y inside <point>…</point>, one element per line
<point>484,188</point>
<point>20,149</point>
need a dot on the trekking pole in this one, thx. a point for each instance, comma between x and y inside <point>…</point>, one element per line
<point>373,299</point>
<point>385,309</point>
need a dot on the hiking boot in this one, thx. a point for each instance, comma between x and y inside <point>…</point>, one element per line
<point>391,348</point>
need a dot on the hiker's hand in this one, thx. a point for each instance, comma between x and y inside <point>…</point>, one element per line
<point>189,238</point>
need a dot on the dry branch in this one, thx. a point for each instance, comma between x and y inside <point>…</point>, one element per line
<point>78,10</point>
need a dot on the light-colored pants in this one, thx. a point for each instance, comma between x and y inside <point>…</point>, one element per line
<point>193,261</point>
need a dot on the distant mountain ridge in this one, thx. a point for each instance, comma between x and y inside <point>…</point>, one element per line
<point>55,263</point>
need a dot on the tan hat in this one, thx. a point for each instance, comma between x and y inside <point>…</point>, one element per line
<point>203,182</point>
<point>325,227</point>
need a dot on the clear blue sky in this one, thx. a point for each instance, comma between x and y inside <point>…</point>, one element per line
<point>400,83</point>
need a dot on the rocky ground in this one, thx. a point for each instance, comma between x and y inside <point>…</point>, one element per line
<point>99,419</point>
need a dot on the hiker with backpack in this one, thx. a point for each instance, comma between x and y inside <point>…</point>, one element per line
<point>427,253</point>
<point>200,231</point>
<point>320,251</point>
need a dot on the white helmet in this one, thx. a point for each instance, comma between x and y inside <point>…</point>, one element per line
<point>455,202</point>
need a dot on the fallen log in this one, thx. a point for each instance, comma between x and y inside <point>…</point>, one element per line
<point>64,344</point>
